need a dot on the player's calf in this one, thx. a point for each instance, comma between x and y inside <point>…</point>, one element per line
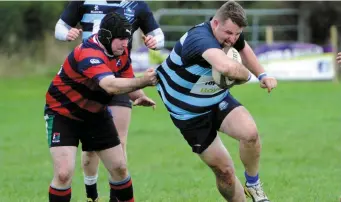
<point>228,184</point>
<point>225,180</point>
<point>90,162</point>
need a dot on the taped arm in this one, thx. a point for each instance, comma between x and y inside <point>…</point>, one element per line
<point>159,37</point>
<point>61,30</point>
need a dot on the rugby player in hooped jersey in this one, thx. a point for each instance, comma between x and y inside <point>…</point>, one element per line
<point>199,112</point>
<point>89,13</point>
<point>77,107</point>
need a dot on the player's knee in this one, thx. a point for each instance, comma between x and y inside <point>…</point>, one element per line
<point>251,136</point>
<point>225,174</point>
<point>63,176</point>
<point>120,170</point>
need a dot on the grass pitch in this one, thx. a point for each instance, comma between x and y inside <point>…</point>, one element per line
<point>299,124</point>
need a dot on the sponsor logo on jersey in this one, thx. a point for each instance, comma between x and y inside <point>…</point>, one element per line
<point>96,10</point>
<point>95,61</point>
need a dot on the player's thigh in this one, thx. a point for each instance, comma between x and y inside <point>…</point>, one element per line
<point>89,158</point>
<point>64,158</point>
<point>216,155</point>
<point>121,117</point>
<point>121,106</point>
<point>239,124</point>
<point>89,154</point>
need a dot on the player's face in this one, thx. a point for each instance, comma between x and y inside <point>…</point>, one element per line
<point>118,46</point>
<point>227,33</point>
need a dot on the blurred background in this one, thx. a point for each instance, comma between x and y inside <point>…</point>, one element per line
<point>29,46</point>
<point>299,122</point>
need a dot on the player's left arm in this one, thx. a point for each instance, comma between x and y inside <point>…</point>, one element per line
<point>251,62</point>
<point>153,35</point>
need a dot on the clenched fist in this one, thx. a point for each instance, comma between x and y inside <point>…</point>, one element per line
<point>73,34</point>
<point>150,77</point>
<point>149,41</point>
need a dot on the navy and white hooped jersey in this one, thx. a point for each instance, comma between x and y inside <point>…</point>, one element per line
<point>90,13</point>
<point>186,85</point>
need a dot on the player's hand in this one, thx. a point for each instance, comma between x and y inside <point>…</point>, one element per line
<point>144,101</point>
<point>149,41</point>
<point>150,77</point>
<point>73,34</point>
<point>269,83</point>
<point>338,58</point>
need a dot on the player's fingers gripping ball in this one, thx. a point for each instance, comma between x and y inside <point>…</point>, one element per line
<point>221,80</point>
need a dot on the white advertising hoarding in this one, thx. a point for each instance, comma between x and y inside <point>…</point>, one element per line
<point>317,67</point>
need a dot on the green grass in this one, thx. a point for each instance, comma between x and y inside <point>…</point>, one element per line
<point>299,124</point>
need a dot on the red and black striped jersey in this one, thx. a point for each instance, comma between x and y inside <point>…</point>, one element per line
<point>75,92</point>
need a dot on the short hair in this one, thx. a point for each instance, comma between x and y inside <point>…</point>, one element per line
<point>234,11</point>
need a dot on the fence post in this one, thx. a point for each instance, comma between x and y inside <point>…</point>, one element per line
<point>269,35</point>
<point>334,43</point>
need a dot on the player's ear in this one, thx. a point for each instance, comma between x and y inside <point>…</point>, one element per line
<point>215,23</point>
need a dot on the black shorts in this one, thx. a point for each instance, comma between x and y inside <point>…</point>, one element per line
<point>200,131</point>
<point>121,100</point>
<point>96,135</point>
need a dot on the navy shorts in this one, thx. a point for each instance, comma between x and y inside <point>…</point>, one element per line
<point>121,100</point>
<point>94,135</point>
<point>200,131</point>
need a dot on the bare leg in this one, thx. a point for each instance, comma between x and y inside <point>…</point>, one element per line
<point>219,160</point>
<point>121,187</point>
<point>90,160</point>
<point>63,167</point>
<point>240,125</point>
<point>114,161</point>
<point>121,118</point>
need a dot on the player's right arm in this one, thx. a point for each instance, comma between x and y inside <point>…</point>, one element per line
<point>113,85</point>
<point>64,29</point>
<point>199,44</point>
<point>227,66</point>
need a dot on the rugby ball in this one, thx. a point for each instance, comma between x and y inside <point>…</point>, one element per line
<point>221,80</point>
